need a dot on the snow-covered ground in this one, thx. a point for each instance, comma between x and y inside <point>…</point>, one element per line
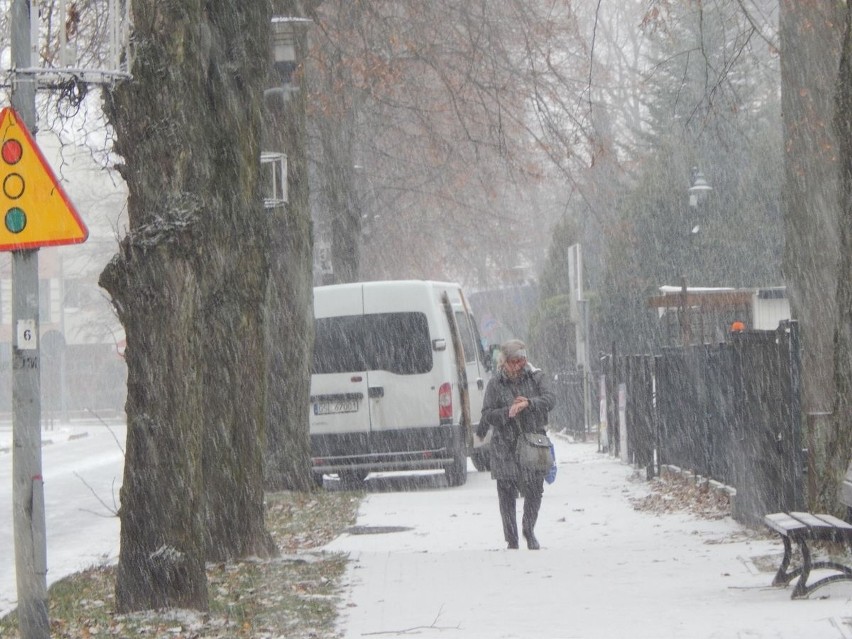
<point>82,464</point>
<point>605,569</point>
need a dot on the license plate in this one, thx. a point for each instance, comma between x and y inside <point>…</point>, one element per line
<point>336,406</point>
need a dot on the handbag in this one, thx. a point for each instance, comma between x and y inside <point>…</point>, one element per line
<point>534,452</point>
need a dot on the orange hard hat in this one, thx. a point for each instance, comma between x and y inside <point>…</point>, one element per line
<point>737,326</point>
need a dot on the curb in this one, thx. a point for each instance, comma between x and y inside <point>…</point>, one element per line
<point>48,441</point>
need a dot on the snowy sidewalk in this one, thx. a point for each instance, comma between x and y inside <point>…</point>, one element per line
<point>605,569</point>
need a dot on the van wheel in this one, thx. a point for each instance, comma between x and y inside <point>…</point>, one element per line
<point>457,471</point>
<point>481,459</point>
<point>353,479</point>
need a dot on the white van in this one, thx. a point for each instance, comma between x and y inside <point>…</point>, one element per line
<point>399,373</point>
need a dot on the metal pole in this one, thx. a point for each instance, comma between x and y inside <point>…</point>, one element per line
<point>28,485</point>
<point>685,319</point>
<point>587,373</point>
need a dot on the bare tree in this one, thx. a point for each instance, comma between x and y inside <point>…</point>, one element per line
<point>435,122</point>
<point>810,49</point>
<point>289,308</point>
<point>839,446</point>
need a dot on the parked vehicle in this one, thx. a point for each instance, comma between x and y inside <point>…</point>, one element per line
<point>399,374</point>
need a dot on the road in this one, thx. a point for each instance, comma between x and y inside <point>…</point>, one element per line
<point>82,464</point>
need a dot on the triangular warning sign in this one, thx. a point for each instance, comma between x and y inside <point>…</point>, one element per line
<point>34,209</point>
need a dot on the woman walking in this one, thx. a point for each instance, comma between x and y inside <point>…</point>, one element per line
<point>517,400</point>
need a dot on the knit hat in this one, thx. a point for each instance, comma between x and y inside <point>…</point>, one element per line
<point>514,349</point>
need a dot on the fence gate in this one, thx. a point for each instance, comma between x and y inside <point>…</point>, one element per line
<point>638,371</point>
<point>569,410</point>
<point>767,422</point>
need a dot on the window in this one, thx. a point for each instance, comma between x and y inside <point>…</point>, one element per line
<point>399,343</point>
<point>339,345</point>
<point>466,338</point>
<point>484,358</point>
<point>394,342</point>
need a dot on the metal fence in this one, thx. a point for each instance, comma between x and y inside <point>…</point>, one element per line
<point>568,413</point>
<point>728,411</point>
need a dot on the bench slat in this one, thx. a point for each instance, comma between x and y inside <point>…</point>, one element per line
<point>835,522</point>
<point>783,523</point>
<point>799,526</point>
<point>813,521</point>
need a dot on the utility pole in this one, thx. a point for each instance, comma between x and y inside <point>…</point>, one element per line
<point>28,484</point>
<point>579,310</point>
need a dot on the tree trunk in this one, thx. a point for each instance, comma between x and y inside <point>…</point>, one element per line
<point>810,41</point>
<point>840,444</point>
<point>234,271</point>
<point>289,325</point>
<point>155,290</point>
<point>188,286</point>
<point>345,211</point>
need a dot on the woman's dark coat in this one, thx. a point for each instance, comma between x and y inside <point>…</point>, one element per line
<point>499,395</point>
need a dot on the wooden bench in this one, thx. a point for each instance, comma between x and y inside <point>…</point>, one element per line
<point>802,528</point>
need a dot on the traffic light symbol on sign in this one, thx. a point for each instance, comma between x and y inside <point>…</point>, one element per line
<point>35,209</point>
<point>13,184</point>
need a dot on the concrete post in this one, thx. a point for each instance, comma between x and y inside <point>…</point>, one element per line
<point>28,485</point>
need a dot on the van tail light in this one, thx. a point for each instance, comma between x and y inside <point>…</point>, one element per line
<point>445,401</point>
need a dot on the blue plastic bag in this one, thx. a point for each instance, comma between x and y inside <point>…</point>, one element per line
<point>551,474</point>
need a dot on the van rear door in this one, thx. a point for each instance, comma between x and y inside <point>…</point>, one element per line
<point>473,357</point>
<point>339,385</point>
<point>402,364</point>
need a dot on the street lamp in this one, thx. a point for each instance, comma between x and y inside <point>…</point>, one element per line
<point>700,188</point>
<point>698,192</point>
<point>284,32</point>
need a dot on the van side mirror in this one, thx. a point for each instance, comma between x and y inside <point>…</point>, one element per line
<point>439,344</point>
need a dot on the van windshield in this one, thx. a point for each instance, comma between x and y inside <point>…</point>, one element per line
<point>394,342</point>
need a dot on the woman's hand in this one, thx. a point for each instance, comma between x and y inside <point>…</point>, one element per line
<point>520,403</point>
<point>482,429</point>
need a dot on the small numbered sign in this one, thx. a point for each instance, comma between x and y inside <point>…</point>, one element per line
<point>27,335</point>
